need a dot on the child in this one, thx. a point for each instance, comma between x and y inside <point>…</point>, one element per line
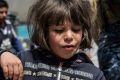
<point>8,38</point>
<point>60,29</point>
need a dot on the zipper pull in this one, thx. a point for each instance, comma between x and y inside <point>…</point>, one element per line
<point>59,70</point>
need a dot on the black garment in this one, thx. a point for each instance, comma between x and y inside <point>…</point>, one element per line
<point>109,51</point>
<point>41,65</point>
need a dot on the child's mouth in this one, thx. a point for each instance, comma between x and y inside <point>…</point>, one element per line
<point>69,47</point>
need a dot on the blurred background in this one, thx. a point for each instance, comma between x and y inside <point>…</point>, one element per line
<point>18,10</point>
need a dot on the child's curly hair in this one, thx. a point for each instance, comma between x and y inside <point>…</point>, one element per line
<point>47,12</point>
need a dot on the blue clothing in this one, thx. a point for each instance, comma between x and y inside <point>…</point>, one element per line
<point>8,38</point>
<point>109,51</point>
<point>42,65</point>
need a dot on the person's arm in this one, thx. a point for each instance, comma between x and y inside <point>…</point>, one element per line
<point>16,43</point>
<point>11,65</point>
<point>100,76</point>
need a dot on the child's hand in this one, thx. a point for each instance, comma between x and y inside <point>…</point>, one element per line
<point>11,65</point>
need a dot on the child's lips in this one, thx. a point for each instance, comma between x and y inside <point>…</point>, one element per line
<point>69,47</point>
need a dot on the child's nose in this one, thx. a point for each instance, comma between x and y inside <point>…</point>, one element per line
<point>68,36</point>
<point>4,13</point>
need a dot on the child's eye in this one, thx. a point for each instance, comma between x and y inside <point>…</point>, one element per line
<point>58,30</point>
<point>76,30</point>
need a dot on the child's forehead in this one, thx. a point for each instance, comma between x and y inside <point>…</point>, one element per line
<point>66,24</point>
<point>65,20</point>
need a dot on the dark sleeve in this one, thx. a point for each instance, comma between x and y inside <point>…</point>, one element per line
<point>1,74</point>
<point>109,57</point>
<point>17,45</point>
<point>1,50</point>
<point>110,65</point>
<point>113,73</point>
<point>100,76</point>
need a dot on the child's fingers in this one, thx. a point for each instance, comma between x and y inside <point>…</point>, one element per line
<point>21,71</point>
<point>5,71</point>
<point>10,71</point>
<point>16,72</point>
<point>10,65</point>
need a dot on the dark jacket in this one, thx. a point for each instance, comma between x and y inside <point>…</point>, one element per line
<point>8,38</point>
<point>109,51</point>
<point>109,42</point>
<point>42,65</point>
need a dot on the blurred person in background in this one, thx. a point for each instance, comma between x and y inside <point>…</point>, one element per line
<point>8,37</point>
<point>109,43</point>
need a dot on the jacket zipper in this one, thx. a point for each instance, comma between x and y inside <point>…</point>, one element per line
<point>59,70</point>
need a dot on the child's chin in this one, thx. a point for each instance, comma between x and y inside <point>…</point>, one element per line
<point>66,56</point>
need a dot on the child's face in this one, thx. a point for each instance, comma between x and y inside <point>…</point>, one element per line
<point>64,39</point>
<point>3,13</point>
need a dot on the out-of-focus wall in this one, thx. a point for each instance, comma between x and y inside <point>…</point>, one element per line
<point>20,7</point>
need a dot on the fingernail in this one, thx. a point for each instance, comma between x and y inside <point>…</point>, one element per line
<point>10,77</point>
<point>6,78</point>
